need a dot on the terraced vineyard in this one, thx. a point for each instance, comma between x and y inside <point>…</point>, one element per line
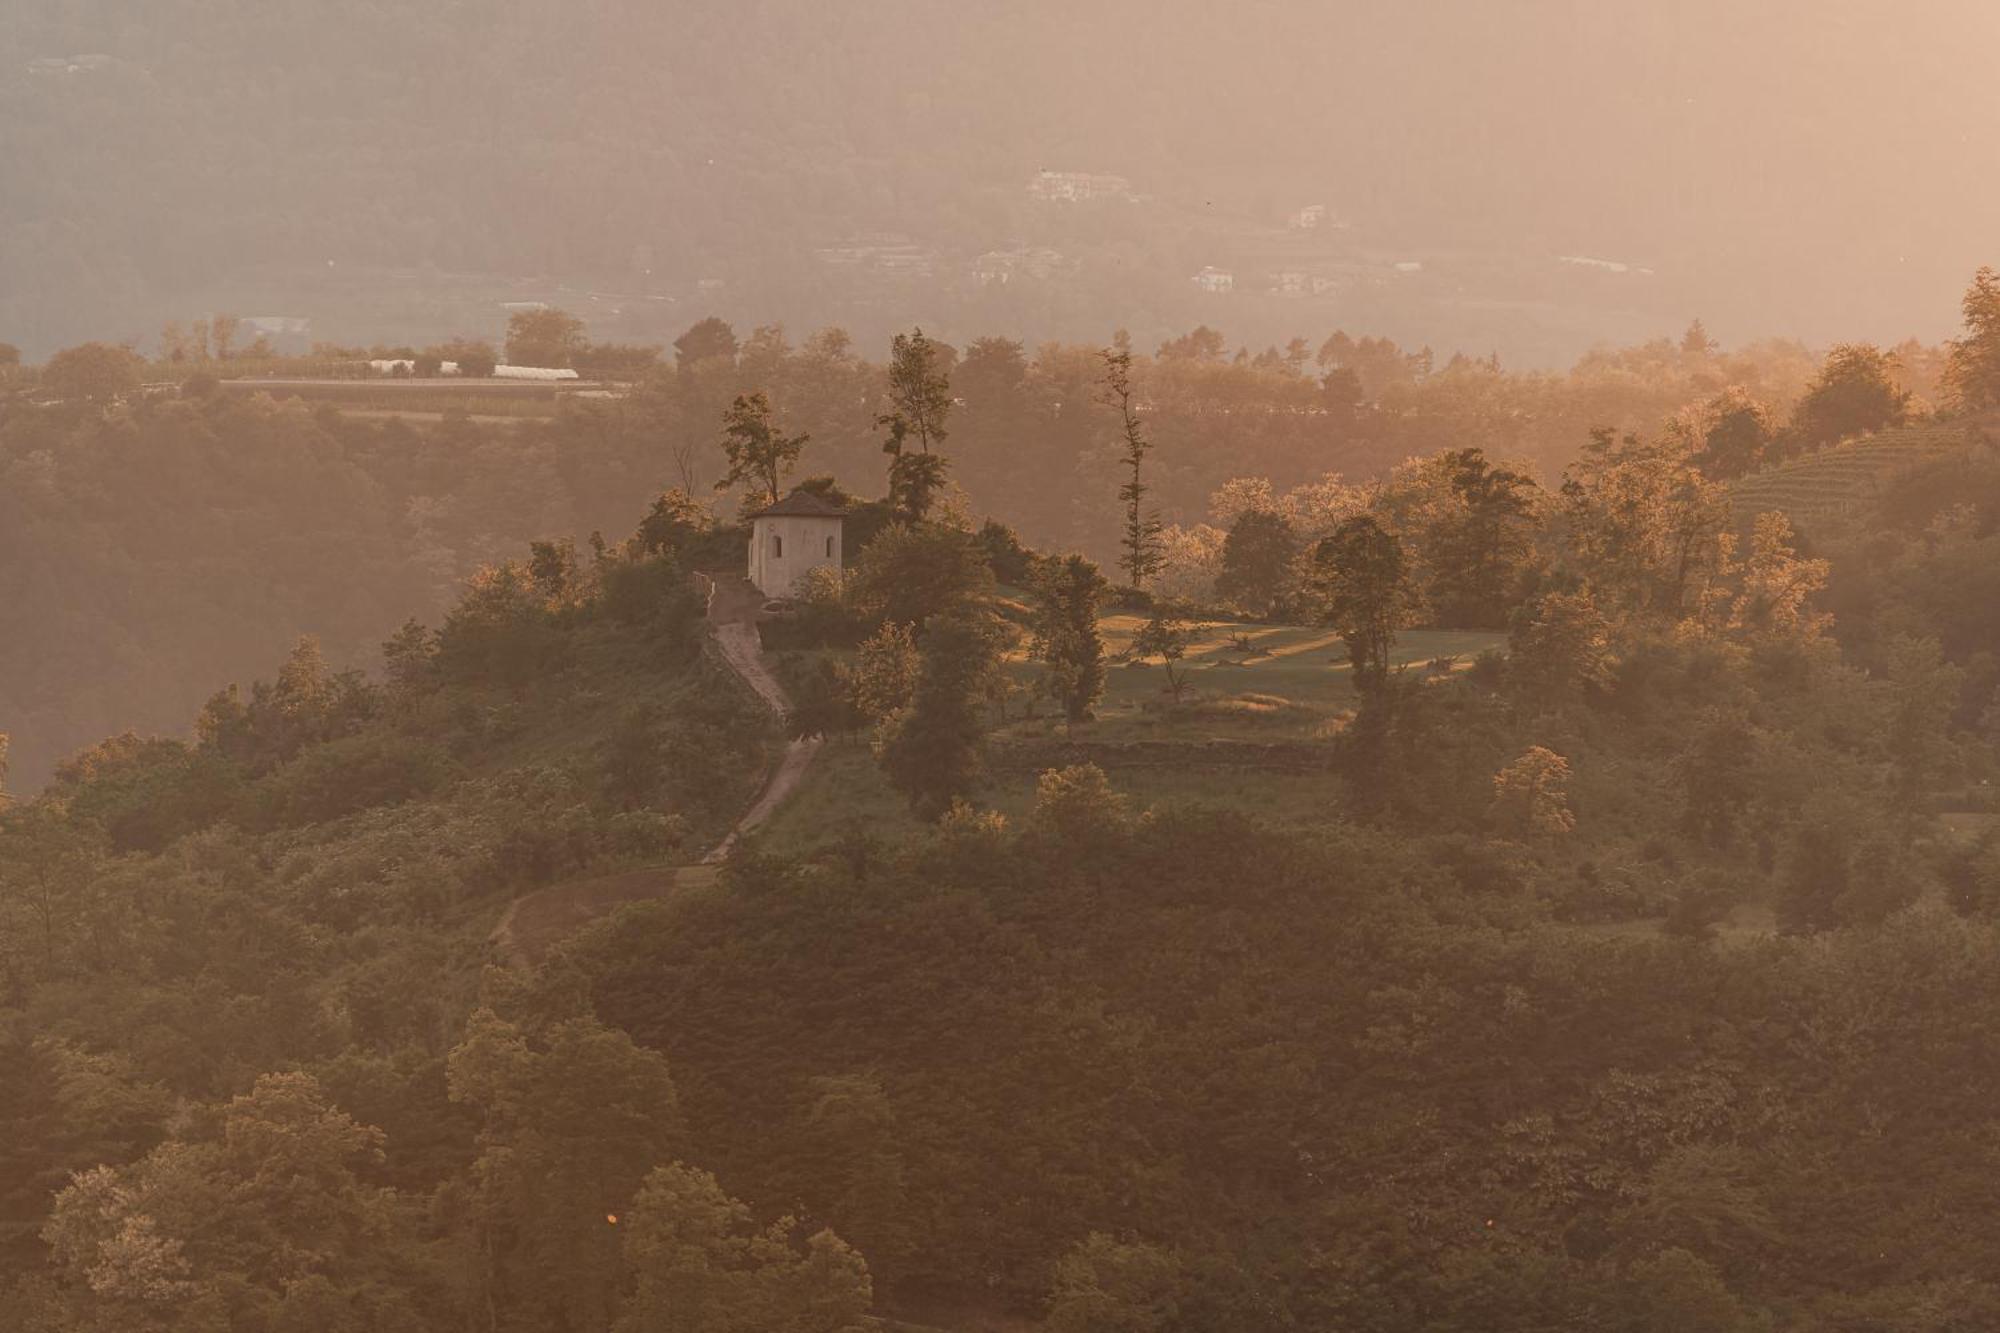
<point>1826,486</point>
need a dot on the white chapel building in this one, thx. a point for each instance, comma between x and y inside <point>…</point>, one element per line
<point>799,533</point>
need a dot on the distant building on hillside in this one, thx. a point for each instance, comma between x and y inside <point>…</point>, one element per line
<point>1298,282</point>
<point>1215,281</point>
<point>791,538</point>
<point>889,254</point>
<point>997,268</point>
<point>47,65</point>
<point>1076,187</point>
<point>1309,217</point>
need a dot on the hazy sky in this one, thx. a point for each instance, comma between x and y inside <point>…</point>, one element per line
<point>1822,170</point>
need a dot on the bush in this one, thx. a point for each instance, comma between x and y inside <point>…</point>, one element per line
<point>343,777</point>
<point>1011,561</point>
<point>1130,599</point>
<point>638,592</point>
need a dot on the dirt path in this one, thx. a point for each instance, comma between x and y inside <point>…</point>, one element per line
<point>537,920</point>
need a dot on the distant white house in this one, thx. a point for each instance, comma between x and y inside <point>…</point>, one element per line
<point>789,539</point>
<point>406,366</point>
<point>1309,217</point>
<point>1215,280</point>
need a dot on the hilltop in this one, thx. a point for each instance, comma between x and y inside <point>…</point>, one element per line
<point>1839,483</point>
<point>1496,987</point>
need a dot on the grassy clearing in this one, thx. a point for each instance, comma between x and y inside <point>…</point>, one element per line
<point>1292,685</point>
<point>1291,682</point>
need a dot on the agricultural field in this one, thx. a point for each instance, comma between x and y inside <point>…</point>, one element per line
<point>1827,486</point>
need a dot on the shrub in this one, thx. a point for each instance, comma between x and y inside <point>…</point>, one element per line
<point>327,782</point>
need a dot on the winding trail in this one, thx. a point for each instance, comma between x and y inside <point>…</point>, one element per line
<point>739,645</point>
<point>536,920</point>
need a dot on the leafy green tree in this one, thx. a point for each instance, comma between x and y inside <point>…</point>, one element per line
<point>1257,561</point>
<point>1479,552</point>
<point>548,337</point>
<point>1531,796</point>
<point>247,1225</point>
<point>1717,775</point>
<point>859,1178</point>
<point>882,679</point>
<point>92,373</point>
<point>675,521</point>
<point>1735,435</point>
<point>1361,583</point>
<point>1065,635</point>
<point>919,405</point>
<point>933,750</point>
<point>45,869</point>
<point>409,660</point>
<point>1972,375</point>
<point>1854,392</point>
<point>1202,344</point>
<point>822,705</point>
<point>1923,691</point>
<point>759,453</point>
<point>1644,530</point>
<point>1777,586</point>
<point>1167,635</point>
<point>709,339</point>
<point>700,1264</point>
<point>1105,1285</point>
<point>1140,552</point>
<point>1560,647</point>
<point>572,1116</point>
<point>911,573</point>
<point>476,359</point>
<point>1677,1290</point>
<point>63,1110</point>
<point>1077,806</point>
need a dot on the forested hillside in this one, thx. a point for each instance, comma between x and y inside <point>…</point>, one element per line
<point>1629,978</point>
<point>154,548</point>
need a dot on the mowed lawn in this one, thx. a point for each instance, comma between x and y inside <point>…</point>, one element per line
<point>1305,664</point>
<point>1243,681</point>
<point>1293,684</point>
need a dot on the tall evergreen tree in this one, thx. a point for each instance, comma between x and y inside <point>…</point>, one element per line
<point>1141,554</point>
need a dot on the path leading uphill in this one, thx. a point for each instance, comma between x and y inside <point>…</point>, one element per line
<point>733,611</point>
<point>535,921</point>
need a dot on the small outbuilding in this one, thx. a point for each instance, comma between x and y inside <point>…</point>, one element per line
<point>798,534</point>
